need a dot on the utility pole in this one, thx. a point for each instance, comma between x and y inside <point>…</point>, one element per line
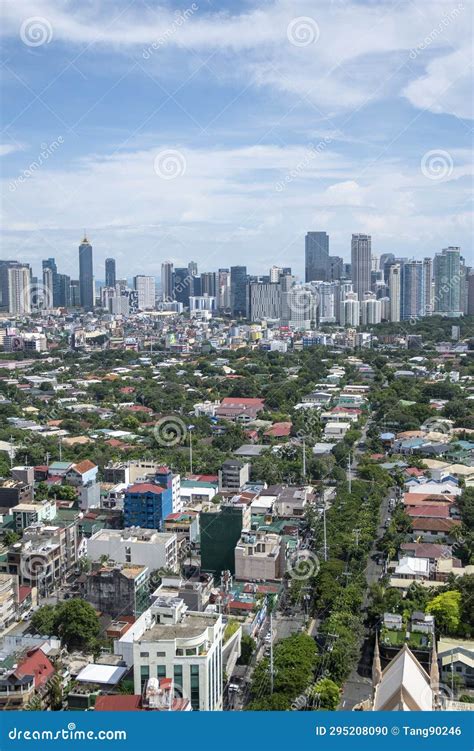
<point>357,533</point>
<point>190,429</point>
<point>349,473</point>
<point>60,449</point>
<point>304,459</point>
<point>325,544</point>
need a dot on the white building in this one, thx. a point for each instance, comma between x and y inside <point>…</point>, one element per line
<point>394,283</point>
<point>145,287</point>
<point>185,647</point>
<point>142,547</point>
<point>26,514</point>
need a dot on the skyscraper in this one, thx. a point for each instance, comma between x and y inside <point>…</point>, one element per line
<point>316,256</point>
<point>50,263</point>
<point>145,287</point>
<point>238,291</point>
<point>428,295</point>
<point>167,281</point>
<point>86,275</point>
<point>181,285</point>
<point>223,291</point>
<point>48,287</point>
<point>395,287</point>
<point>448,277</point>
<point>19,289</point>
<point>110,272</point>
<point>412,296</point>
<point>361,264</point>
<point>209,284</point>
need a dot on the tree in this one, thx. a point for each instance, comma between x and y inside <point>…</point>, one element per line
<point>325,694</point>
<point>43,621</point>
<point>446,608</point>
<point>10,537</point>
<point>78,623</point>
<point>247,648</point>
<point>75,622</point>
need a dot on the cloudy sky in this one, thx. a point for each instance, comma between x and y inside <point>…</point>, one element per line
<point>223,131</point>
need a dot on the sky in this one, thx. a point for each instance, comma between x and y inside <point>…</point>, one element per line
<point>223,131</point>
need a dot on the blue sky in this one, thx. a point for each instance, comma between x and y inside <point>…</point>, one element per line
<point>223,131</point>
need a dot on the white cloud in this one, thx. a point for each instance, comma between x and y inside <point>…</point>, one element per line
<point>360,54</point>
<point>446,87</point>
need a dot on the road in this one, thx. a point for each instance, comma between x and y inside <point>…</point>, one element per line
<point>359,684</point>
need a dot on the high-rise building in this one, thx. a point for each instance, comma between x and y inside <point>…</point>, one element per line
<point>181,286</point>
<point>223,291</point>
<point>167,281</point>
<point>470,292</point>
<point>50,263</point>
<point>350,310</point>
<point>193,268</point>
<point>264,301</point>
<point>336,268</point>
<point>64,291</point>
<point>18,289</point>
<point>75,293</point>
<point>48,288</point>
<point>316,256</point>
<point>110,272</point>
<point>428,290</point>
<point>395,287</point>
<point>448,277</point>
<point>238,291</point>
<point>412,293</point>
<point>370,309</point>
<point>145,287</point>
<point>209,283</point>
<point>361,264</point>
<point>86,275</point>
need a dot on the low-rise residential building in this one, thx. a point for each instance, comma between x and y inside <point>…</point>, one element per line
<point>119,590</point>
<point>26,514</point>
<point>135,546</point>
<point>8,600</point>
<point>259,557</point>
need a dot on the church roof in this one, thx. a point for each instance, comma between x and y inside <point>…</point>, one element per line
<point>404,685</point>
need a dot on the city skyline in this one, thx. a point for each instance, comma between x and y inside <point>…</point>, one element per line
<point>244,127</point>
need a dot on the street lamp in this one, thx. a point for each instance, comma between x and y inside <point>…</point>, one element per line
<point>190,429</point>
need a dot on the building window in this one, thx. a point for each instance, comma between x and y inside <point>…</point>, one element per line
<point>144,674</point>
<point>161,671</point>
<point>161,654</point>
<point>194,682</point>
<point>178,680</point>
<point>144,654</point>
